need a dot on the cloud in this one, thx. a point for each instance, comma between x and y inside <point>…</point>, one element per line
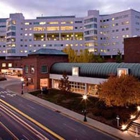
<point>34,8</point>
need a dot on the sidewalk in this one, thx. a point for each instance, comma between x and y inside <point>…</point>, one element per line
<point>78,117</point>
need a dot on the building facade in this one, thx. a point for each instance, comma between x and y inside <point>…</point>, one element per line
<point>132,50</point>
<point>36,67</point>
<point>102,34</point>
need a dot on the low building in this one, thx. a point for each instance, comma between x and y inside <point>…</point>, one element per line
<point>85,77</point>
<point>36,67</point>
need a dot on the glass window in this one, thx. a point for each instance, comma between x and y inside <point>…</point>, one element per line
<point>32,69</point>
<point>9,65</point>
<point>26,69</point>
<point>44,69</point>
<point>3,65</point>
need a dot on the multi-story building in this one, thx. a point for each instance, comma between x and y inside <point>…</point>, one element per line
<point>25,36</point>
<point>105,34</point>
<point>102,34</point>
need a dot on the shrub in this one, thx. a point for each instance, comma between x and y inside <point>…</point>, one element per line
<point>96,112</point>
<point>107,114</point>
<point>2,78</point>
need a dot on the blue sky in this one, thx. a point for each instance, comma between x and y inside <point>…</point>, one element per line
<point>34,8</point>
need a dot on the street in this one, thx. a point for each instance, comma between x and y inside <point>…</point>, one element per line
<point>44,118</point>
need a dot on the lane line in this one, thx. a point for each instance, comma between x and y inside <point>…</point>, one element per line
<point>34,121</point>
<point>15,138</point>
<point>23,123</point>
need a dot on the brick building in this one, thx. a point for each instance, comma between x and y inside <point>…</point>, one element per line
<point>132,50</point>
<point>36,67</point>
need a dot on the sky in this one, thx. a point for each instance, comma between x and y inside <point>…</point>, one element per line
<point>34,8</point>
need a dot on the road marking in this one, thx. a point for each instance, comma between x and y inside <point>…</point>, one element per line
<point>2,96</point>
<point>34,121</point>
<point>70,127</point>
<point>22,122</point>
<point>15,138</point>
<point>31,106</point>
<point>25,137</point>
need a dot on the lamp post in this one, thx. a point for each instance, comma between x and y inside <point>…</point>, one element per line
<point>118,119</point>
<point>22,80</point>
<point>85,109</point>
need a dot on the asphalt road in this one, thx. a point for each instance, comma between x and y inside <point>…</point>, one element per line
<point>13,126</point>
<point>68,128</point>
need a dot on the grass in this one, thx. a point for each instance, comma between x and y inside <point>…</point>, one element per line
<point>96,109</point>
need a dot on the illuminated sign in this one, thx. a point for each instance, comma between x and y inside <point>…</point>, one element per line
<point>75,71</point>
<point>122,71</point>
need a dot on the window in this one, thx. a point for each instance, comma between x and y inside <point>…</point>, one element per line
<point>9,65</point>
<point>32,69</point>
<point>3,65</point>
<point>44,69</point>
<point>26,69</point>
<point>66,27</point>
<point>53,28</point>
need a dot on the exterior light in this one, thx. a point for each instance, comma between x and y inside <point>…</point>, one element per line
<point>138,108</point>
<point>22,80</point>
<point>85,109</point>
<point>118,121</point>
<point>124,126</point>
<point>84,96</point>
<point>132,116</point>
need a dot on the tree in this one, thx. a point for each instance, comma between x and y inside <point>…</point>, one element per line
<point>119,57</point>
<point>98,59</point>
<point>64,83</point>
<point>72,55</point>
<point>84,56</point>
<point>120,91</point>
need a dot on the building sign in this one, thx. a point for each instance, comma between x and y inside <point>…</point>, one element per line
<point>122,71</point>
<point>75,71</point>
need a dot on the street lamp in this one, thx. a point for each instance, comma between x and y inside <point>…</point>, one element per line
<point>118,119</point>
<point>22,80</point>
<point>85,109</point>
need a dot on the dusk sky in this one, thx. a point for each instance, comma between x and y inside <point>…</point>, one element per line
<point>33,8</point>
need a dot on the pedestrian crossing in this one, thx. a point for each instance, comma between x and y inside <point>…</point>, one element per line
<point>5,93</point>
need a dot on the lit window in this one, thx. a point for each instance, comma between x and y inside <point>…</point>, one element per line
<point>112,18</point>
<point>26,29</point>
<point>30,45</point>
<point>25,51</point>
<point>26,34</point>
<point>27,23</point>
<point>39,28</point>
<point>42,23</point>
<point>9,65</point>
<point>55,28</point>
<point>30,34</point>
<point>13,22</point>
<point>13,45</point>
<point>32,69</point>
<point>52,22</point>
<point>63,22</point>
<point>3,65</point>
<point>66,27</point>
